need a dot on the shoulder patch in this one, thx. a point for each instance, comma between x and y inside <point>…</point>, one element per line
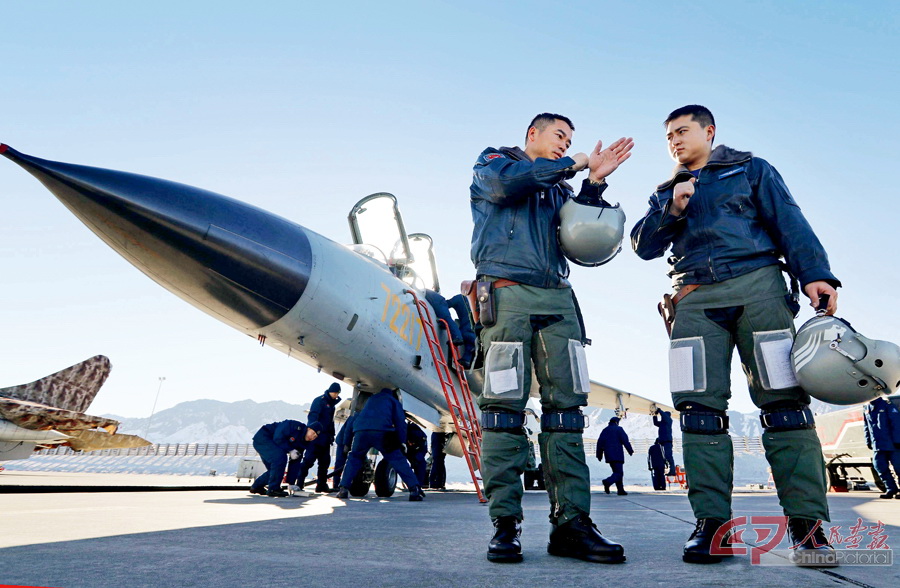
<point>491,156</point>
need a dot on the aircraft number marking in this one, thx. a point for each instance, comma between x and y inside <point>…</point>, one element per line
<point>411,322</point>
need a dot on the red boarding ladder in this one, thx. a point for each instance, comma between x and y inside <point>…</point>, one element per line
<point>467,427</point>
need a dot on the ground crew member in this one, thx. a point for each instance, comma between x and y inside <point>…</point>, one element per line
<point>380,424</point>
<point>656,461</point>
<point>882,424</point>
<point>276,443</point>
<point>728,218</point>
<point>612,443</point>
<point>528,315</point>
<point>321,411</point>
<point>437,477</point>
<point>417,451</point>
<point>663,420</point>
<point>343,442</point>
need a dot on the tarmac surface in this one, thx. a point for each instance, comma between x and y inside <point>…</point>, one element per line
<point>196,534</point>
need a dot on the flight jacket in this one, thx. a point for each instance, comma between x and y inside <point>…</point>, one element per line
<point>741,218</point>
<point>515,207</point>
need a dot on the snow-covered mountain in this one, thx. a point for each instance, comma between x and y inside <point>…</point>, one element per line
<point>211,421</point>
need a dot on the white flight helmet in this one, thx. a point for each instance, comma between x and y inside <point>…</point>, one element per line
<point>590,230</point>
<point>836,364</point>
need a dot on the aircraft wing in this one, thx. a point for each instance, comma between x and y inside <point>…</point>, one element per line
<point>603,396</point>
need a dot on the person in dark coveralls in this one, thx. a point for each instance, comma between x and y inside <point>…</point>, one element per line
<point>882,423</point>
<point>380,424</point>
<point>656,461</point>
<point>663,420</point>
<point>417,452</point>
<point>343,443</point>
<point>612,444</point>
<point>515,197</point>
<point>437,479</point>
<point>276,443</point>
<point>728,218</point>
<point>321,411</point>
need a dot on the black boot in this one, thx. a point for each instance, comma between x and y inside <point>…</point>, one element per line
<point>505,546</point>
<point>889,494</point>
<point>416,494</point>
<point>277,493</point>
<point>697,549</point>
<point>343,493</point>
<point>580,538</point>
<point>810,548</point>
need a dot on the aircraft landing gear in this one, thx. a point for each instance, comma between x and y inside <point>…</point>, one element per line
<point>385,479</point>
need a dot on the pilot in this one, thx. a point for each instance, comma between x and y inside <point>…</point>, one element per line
<point>882,424</point>
<point>515,197</point>
<point>729,217</point>
<point>322,411</point>
<point>417,451</point>
<point>276,443</point>
<point>613,439</point>
<point>343,441</point>
<point>380,424</point>
<point>663,420</point>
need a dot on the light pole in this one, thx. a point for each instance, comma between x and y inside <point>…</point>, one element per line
<point>149,420</point>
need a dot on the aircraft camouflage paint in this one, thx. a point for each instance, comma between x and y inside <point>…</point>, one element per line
<point>50,412</point>
<point>343,310</point>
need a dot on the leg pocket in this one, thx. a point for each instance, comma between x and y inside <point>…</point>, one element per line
<point>504,371</point>
<point>687,365</point>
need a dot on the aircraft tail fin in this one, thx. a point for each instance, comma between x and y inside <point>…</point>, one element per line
<point>73,388</point>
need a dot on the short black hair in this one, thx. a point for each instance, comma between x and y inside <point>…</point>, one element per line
<point>699,114</point>
<point>541,121</point>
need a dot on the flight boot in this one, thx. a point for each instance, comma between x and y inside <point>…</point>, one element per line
<point>698,547</point>
<point>809,547</point>
<point>580,538</point>
<point>505,546</point>
<point>416,494</point>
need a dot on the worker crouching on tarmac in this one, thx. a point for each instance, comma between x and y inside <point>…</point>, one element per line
<point>529,316</point>
<point>275,443</point>
<point>380,424</point>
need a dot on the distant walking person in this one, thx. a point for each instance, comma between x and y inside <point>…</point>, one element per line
<point>275,443</point>
<point>663,420</point>
<point>882,423</point>
<point>438,475</point>
<point>656,461</point>
<point>380,424</point>
<point>321,411</point>
<point>613,439</point>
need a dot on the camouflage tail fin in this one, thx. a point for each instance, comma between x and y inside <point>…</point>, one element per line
<point>73,388</point>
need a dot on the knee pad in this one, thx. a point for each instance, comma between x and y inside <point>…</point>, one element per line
<point>563,421</point>
<point>702,420</point>
<point>503,422</point>
<point>792,416</point>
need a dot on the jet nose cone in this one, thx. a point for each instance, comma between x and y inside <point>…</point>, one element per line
<point>238,263</point>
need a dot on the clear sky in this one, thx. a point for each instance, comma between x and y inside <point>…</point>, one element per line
<point>303,108</point>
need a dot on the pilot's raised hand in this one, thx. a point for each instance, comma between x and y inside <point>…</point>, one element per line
<point>294,455</point>
<point>603,162</point>
<point>680,196</point>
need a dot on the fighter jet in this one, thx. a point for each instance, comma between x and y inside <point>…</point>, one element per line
<point>50,412</point>
<point>355,312</point>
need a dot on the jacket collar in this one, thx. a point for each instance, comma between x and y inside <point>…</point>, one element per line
<point>720,156</point>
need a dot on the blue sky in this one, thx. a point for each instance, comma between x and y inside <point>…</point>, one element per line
<point>304,109</point>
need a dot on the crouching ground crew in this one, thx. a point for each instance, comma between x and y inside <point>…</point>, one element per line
<point>528,314</point>
<point>728,218</point>
<point>276,443</point>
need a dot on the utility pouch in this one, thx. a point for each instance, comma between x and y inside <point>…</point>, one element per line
<point>666,310</point>
<point>486,305</point>
<point>467,289</point>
